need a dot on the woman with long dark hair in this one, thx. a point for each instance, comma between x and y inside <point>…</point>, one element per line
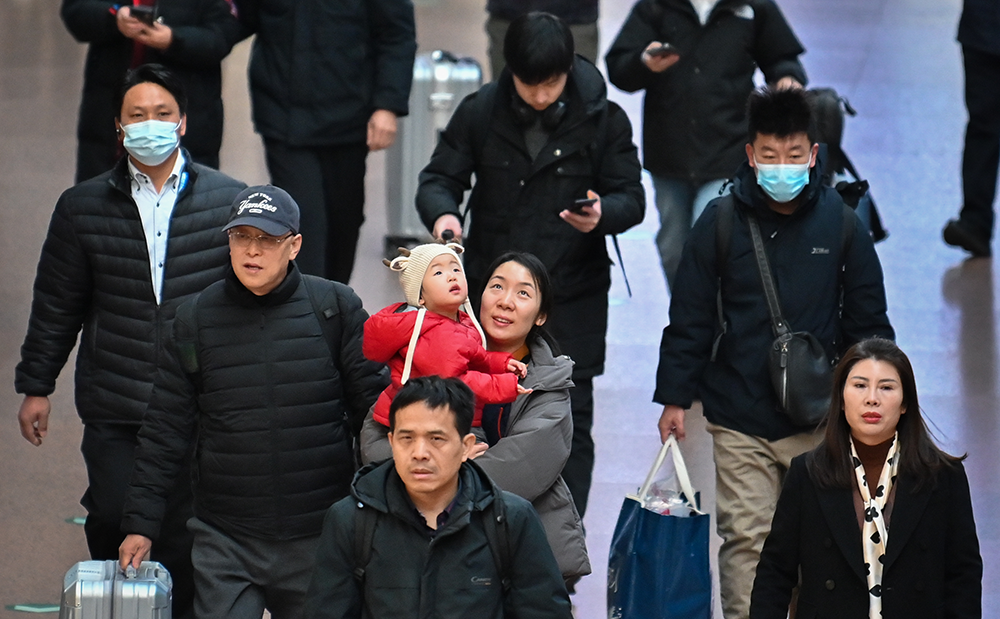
<point>877,521</point>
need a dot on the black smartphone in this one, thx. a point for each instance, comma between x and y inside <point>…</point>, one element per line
<point>145,14</point>
<point>579,204</point>
<point>665,49</point>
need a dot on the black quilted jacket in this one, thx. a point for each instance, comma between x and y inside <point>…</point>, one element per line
<point>268,403</point>
<point>93,276</point>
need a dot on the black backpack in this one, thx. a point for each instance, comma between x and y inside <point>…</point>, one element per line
<point>829,110</point>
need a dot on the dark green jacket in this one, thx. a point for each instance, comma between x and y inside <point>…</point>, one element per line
<point>454,574</point>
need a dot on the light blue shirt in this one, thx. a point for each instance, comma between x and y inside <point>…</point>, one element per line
<point>155,209</point>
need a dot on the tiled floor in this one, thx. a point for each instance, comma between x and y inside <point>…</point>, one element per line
<point>895,59</point>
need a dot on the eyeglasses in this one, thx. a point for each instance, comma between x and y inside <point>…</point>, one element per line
<point>264,241</point>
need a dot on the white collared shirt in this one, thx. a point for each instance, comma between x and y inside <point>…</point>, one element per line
<point>155,210</point>
<point>704,9</point>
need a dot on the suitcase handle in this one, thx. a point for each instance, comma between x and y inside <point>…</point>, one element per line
<point>130,572</point>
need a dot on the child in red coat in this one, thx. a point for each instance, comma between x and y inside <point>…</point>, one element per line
<point>434,332</point>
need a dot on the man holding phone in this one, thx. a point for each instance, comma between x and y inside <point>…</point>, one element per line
<point>556,171</point>
<point>696,61</point>
<point>188,37</point>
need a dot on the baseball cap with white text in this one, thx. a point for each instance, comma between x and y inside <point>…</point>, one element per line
<point>267,208</point>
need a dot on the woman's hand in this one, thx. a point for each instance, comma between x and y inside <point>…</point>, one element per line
<point>477,450</point>
<point>523,390</point>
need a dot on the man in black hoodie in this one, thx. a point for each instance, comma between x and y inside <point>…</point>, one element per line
<point>427,534</point>
<point>826,286</point>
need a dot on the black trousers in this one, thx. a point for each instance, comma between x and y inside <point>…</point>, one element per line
<point>328,183</point>
<point>580,327</point>
<point>981,156</point>
<point>109,452</point>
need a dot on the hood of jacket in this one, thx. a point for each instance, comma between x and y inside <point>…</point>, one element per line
<point>377,485</point>
<point>547,372</point>
<point>585,93</point>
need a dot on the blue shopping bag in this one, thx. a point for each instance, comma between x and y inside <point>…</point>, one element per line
<point>658,567</point>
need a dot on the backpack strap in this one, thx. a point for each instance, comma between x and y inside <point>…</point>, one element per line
<point>846,234</point>
<point>324,315</point>
<point>725,215</point>
<point>498,537</point>
<point>186,344</point>
<point>365,521</point>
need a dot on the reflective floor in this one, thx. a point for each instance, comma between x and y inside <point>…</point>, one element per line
<point>895,59</point>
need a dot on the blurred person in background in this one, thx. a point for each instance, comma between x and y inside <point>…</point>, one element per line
<point>327,83</point>
<point>979,34</point>
<point>189,37</point>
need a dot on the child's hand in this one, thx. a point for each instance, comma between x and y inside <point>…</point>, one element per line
<point>522,390</point>
<point>516,367</point>
<point>477,450</point>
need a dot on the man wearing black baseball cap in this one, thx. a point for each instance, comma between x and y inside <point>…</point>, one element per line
<point>265,368</point>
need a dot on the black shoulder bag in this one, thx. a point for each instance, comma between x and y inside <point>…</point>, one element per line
<point>800,371</point>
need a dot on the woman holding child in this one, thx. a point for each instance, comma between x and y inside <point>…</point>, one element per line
<point>527,439</point>
<point>877,521</point>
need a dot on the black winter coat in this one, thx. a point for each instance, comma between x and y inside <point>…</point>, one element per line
<point>694,113</point>
<point>267,404</point>
<point>454,574</point>
<point>570,11</point>
<point>94,275</point>
<point>932,570</point>
<point>515,203</point>
<point>204,31</point>
<point>979,27</point>
<point>804,252</point>
<point>319,69</point>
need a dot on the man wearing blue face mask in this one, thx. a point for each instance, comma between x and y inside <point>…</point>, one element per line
<point>715,349</point>
<point>124,250</point>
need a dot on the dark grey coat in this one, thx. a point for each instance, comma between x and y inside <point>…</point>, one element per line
<point>932,568</point>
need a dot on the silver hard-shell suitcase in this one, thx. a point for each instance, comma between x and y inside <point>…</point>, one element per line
<point>100,590</point>
<point>440,82</point>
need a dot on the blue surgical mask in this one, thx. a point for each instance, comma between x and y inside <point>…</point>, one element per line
<point>782,181</point>
<point>151,142</point>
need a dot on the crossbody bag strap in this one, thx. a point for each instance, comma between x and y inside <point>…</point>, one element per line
<point>767,279</point>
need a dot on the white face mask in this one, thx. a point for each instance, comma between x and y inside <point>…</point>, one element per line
<point>151,142</point>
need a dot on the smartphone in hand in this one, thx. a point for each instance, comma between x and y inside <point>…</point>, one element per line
<point>145,14</point>
<point>579,204</point>
<point>665,49</point>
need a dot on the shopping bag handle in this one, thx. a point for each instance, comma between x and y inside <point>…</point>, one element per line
<point>682,474</point>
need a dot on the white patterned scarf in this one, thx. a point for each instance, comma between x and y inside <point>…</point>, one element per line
<point>874,533</point>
